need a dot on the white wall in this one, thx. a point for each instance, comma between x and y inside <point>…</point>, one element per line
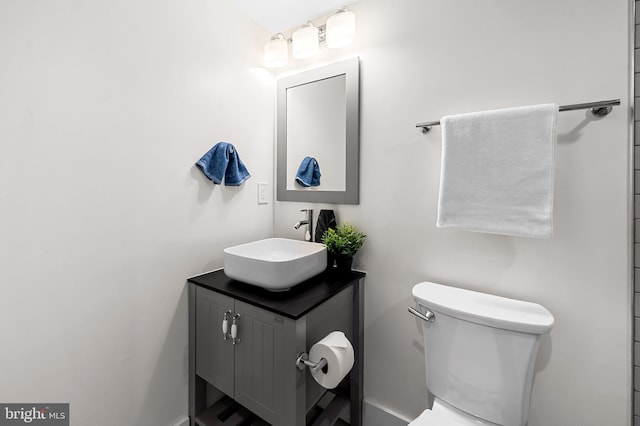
<point>105,107</point>
<point>421,60</point>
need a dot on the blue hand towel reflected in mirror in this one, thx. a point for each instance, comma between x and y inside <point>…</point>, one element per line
<point>309,172</point>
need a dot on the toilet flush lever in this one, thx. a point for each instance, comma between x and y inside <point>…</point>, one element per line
<point>428,316</point>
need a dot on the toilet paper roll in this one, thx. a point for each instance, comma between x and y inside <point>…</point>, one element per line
<point>337,350</point>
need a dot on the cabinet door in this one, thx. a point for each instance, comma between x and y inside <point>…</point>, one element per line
<point>265,350</point>
<point>214,355</point>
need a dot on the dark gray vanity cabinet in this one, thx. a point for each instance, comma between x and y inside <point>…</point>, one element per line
<point>253,379</point>
<point>251,370</point>
<point>214,355</point>
<point>264,381</point>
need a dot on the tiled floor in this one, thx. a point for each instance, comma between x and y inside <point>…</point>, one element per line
<point>228,412</point>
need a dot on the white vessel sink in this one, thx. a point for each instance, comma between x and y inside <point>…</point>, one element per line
<point>275,263</point>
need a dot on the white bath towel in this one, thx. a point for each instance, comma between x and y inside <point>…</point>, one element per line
<point>498,171</point>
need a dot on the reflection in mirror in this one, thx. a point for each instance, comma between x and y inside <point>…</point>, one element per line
<point>318,135</point>
<point>316,120</point>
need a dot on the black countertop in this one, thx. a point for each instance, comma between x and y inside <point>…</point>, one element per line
<point>293,303</point>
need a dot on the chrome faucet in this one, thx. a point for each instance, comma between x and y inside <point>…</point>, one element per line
<point>309,222</point>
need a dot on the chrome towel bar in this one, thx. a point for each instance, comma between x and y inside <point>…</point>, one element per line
<point>599,109</point>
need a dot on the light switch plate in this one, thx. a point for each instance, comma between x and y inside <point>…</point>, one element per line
<point>263,193</point>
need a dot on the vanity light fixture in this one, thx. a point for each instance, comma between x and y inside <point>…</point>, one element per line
<point>276,51</point>
<point>305,41</point>
<point>339,31</point>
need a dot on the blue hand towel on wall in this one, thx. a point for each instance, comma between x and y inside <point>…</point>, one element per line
<point>309,172</point>
<point>223,161</point>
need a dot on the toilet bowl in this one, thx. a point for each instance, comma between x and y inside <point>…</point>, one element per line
<point>480,353</point>
<point>442,414</point>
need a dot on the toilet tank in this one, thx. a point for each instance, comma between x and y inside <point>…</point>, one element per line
<point>480,350</point>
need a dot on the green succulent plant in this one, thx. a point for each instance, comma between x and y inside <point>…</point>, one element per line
<point>345,240</point>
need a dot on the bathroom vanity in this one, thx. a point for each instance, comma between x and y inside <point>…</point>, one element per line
<point>244,342</point>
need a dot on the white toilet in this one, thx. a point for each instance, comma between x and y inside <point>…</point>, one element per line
<point>480,355</point>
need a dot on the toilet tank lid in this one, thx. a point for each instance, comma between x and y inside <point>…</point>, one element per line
<point>485,309</point>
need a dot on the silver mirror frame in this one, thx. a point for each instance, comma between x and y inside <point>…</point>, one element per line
<point>351,69</point>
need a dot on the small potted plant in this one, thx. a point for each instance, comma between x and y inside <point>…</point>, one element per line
<point>342,244</point>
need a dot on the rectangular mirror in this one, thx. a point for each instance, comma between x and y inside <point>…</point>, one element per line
<point>318,128</point>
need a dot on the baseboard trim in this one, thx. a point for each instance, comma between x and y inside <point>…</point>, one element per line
<point>375,415</point>
<point>183,422</point>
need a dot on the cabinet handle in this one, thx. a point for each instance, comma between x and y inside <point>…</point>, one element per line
<point>225,325</point>
<point>234,329</point>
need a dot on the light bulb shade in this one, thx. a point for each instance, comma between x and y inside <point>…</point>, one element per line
<point>305,42</point>
<point>276,53</point>
<point>341,29</point>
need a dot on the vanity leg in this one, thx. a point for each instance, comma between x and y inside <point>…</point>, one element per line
<point>197,386</point>
<point>356,390</point>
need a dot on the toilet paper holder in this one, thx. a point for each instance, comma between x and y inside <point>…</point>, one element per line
<point>303,361</point>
